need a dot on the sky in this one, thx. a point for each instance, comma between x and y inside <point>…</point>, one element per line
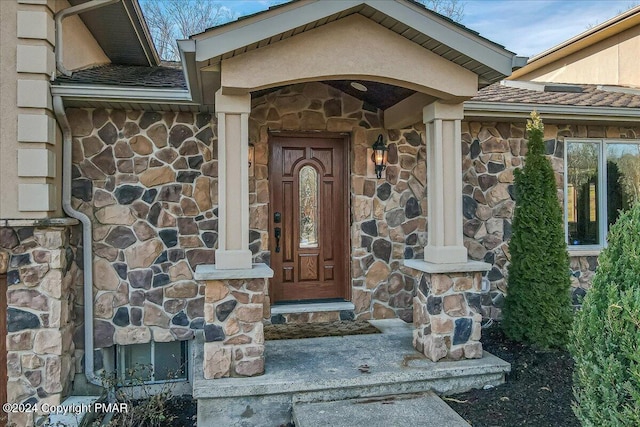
<point>526,27</point>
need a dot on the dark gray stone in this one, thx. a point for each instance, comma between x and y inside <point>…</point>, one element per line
<point>149,118</point>
<point>178,134</point>
<point>462,330</point>
<point>577,296</point>
<point>494,274</point>
<point>253,234</point>
<point>127,194</point>
<point>121,268</point>
<point>382,249</point>
<point>494,167</point>
<point>13,277</point>
<point>434,305</point>
<point>170,193</point>
<point>121,318</point>
<point>411,239</point>
<point>474,300</point>
<point>384,191</point>
<point>549,146</point>
<point>108,133</point>
<point>395,217</point>
<point>346,315</point>
<point>506,229</point>
<point>408,253</point>
<point>205,135</point>
<point>140,279</point>
<point>213,333</point>
<point>19,260</point>
<point>161,280</point>
<point>412,208</point>
<point>17,320</point>
<point>203,119</point>
<point>469,206</point>
<point>23,233</point>
<point>223,310</point>
<point>413,138</point>
<point>498,299</point>
<point>278,319</point>
<point>169,237</point>
<point>162,258</point>
<point>365,242</point>
<point>197,323</point>
<point>511,189</point>
<point>121,237</point>
<point>474,150</point>
<point>195,162</point>
<point>180,319</point>
<point>253,247</point>
<point>82,189</point>
<point>187,176</point>
<point>424,288</point>
<point>103,333</point>
<point>370,228</point>
<point>154,213</point>
<point>149,196</point>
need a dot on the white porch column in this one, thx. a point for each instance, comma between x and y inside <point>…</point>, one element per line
<point>233,181</point>
<point>444,176</point>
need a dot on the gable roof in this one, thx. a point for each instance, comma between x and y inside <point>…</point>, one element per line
<point>452,41</point>
<point>607,29</point>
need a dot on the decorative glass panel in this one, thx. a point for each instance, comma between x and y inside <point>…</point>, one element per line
<point>583,159</point>
<point>623,179</point>
<point>308,194</point>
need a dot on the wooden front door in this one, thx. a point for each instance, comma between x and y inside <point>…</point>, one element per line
<point>309,233</point>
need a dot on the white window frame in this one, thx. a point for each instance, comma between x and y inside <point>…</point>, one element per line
<point>602,190</point>
<point>122,368</point>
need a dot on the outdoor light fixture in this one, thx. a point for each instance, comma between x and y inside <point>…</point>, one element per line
<point>359,86</point>
<point>379,156</point>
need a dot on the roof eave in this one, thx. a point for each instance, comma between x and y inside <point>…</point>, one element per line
<point>123,94</point>
<point>550,111</point>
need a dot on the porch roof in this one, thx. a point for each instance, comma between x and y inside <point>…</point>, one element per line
<point>410,19</point>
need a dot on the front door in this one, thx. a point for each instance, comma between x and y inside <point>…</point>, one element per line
<point>309,235</point>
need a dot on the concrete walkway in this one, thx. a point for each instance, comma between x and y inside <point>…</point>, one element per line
<point>424,409</point>
<point>333,369</point>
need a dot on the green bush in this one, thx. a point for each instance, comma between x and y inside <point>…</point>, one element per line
<point>605,340</point>
<point>537,307</point>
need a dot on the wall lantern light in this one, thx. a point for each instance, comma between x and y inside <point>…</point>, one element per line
<point>379,156</point>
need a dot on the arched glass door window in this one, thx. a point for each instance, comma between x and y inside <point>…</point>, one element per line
<point>308,202</point>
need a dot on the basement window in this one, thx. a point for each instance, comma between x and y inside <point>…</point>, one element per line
<point>153,362</point>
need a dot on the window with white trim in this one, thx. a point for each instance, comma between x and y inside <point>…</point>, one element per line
<point>153,362</point>
<point>602,178</point>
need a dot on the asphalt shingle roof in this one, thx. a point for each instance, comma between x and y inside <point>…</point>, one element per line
<point>589,96</point>
<point>128,75</point>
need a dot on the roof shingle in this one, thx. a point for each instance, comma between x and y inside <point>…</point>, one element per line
<point>128,75</point>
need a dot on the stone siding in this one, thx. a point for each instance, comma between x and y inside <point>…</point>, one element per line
<point>388,215</point>
<point>148,182</point>
<point>491,152</point>
<point>44,280</point>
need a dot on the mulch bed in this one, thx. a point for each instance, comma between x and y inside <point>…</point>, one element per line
<point>292,331</point>
<point>537,392</point>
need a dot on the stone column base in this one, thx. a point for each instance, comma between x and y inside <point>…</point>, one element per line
<point>233,331</point>
<point>446,314</point>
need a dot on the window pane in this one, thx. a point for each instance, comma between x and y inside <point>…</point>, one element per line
<point>623,178</point>
<point>170,360</point>
<point>308,207</point>
<point>137,362</point>
<point>583,193</point>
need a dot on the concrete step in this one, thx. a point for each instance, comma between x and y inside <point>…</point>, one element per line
<point>422,409</point>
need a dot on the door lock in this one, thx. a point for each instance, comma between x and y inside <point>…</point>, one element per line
<point>277,233</point>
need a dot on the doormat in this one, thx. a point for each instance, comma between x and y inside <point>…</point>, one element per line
<point>294,331</point>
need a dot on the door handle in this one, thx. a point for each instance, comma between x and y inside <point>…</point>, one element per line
<point>277,234</point>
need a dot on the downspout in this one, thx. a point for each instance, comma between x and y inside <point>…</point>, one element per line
<point>87,240</point>
<point>70,11</point>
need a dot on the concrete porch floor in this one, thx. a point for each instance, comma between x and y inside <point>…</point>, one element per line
<point>330,369</point>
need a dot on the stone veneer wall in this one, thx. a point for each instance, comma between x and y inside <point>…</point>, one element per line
<point>43,278</point>
<point>491,152</point>
<point>388,223</point>
<point>148,181</point>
